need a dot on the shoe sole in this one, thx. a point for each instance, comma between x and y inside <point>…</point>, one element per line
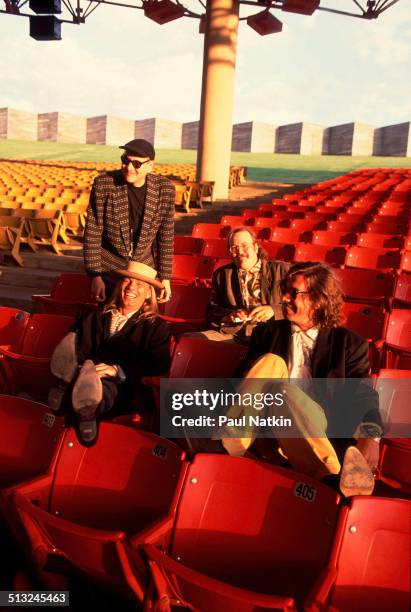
<point>356,475</point>
<point>64,362</point>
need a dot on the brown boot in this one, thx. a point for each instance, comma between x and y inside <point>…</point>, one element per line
<point>356,477</point>
<point>86,397</point>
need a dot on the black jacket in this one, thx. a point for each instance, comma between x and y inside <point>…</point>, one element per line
<point>226,293</point>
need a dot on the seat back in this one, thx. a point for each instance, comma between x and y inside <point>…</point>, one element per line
<point>125,482</point>
<point>368,285</point>
<point>373,560</point>
<point>360,257</point>
<point>13,323</point>
<point>43,333</point>
<point>253,525</point>
<point>210,230</point>
<point>333,238</point>
<point>72,288</point>
<point>399,329</point>
<point>29,436</point>
<point>403,289</point>
<point>198,358</point>
<point>380,241</point>
<point>368,321</point>
<point>187,245</point>
<point>187,302</point>
<point>190,267</point>
<point>215,247</point>
<point>334,256</point>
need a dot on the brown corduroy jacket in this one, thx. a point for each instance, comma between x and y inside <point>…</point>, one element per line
<point>107,232</point>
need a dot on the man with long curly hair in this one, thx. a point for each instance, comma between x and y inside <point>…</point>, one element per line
<point>310,343</point>
<point>115,347</point>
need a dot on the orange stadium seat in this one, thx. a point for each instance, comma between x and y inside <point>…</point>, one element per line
<point>232,556</point>
<point>364,572</point>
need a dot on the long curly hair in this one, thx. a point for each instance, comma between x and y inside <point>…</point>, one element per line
<point>324,289</point>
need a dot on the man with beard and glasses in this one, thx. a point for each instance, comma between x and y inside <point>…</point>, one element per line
<point>310,344</point>
<point>130,217</point>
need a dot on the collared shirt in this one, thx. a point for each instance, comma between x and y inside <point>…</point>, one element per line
<point>250,285</point>
<point>302,347</point>
<point>117,320</point>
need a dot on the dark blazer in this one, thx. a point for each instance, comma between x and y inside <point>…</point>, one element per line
<point>141,347</point>
<point>226,293</point>
<point>339,353</point>
<point>107,232</point>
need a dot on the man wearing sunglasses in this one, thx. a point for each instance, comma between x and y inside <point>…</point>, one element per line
<point>130,217</point>
<point>310,345</point>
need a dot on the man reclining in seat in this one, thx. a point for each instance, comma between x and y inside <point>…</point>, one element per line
<point>310,343</point>
<point>114,348</point>
<point>245,292</point>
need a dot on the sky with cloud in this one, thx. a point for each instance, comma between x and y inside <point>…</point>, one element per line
<point>323,69</point>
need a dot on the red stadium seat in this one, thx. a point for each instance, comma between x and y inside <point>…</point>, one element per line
<point>398,337</point>
<point>239,556</point>
<point>76,518</point>
<point>380,226</point>
<point>185,311</point>
<point>380,241</point>
<point>395,464</point>
<point>13,323</point>
<point>187,245</point>
<point>69,295</point>
<point>209,230</point>
<point>334,256</point>
<point>29,436</point>
<point>198,358</point>
<point>406,262</point>
<point>370,322</point>
<point>28,370</point>
<point>326,237</point>
<point>215,247</point>
<point>288,235</point>
<point>188,268</point>
<point>308,224</point>
<point>278,250</point>
<point>403,289</point>
<point>369,568</point>
<point>347,227</point>
<point>371,286</point>
<point>233,221</point>
<point>380,259</point>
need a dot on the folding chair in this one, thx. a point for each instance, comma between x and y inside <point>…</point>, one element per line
<point>29,437</point>
<point>398,337</point>
<point>369,286</point>
<point>374,259</point>
<point>227,554</point>
<point>77,516</point>
<point>45,227</point>
<point>28,369</point>
<point>369,566</point>
<point>185,311</point>
<point>11,229</point>
<point>187,245</point>
<point>183,195</point>
<point>334,256</point>
<point>189,268</point>
<point>69,295</point>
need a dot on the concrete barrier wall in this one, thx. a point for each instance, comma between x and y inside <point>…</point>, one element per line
<point>17,124</point>
<point>254,137</point>
<point>349,139</point>
<point>109,130</point>
<point>189,135</point>
<point>393,140</point>
<point>162,133</point>
<point>62,127</point>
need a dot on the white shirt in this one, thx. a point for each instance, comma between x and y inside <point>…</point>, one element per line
<point>302,347</point>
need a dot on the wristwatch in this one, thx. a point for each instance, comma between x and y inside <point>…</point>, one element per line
<point>370,431</point>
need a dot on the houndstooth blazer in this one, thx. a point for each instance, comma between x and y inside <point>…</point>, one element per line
<point>107,231</point>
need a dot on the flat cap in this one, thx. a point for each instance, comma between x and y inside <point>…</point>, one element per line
<point>139,148</point>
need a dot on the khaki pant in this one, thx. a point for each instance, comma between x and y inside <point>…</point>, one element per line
<point>311,453</point>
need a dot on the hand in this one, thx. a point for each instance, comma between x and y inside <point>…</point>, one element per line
<point>165,294</point>
<point>98,289</point>
<point>106,371</point>
<point>236,314</point>
<point>371,451</point>
<point>261,314</point>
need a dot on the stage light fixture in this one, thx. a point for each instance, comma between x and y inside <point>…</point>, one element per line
<point>45,27</point>
<point>162,11</point>
<point>303,7</point>
<point>265,23</point>
<point>45,7</point>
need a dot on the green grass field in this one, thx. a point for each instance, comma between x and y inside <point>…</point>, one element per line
<point>261,166</point>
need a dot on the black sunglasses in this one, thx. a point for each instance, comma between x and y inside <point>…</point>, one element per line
<point>125,160</point>
<point>293,292</point>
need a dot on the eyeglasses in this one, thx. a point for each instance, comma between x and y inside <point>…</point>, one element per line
<point>245,246</point>
<point>293,291</point>
<point>125,160</point>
